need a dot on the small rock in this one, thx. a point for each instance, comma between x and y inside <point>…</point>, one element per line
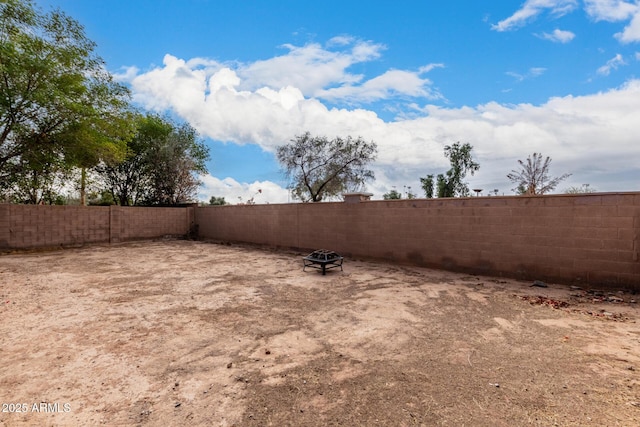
<point>267,351</point>
<point>177,404</point>
<point>539,284</point>
<point>575,288</point>
<point>615,299</point>
<point>229,365</point>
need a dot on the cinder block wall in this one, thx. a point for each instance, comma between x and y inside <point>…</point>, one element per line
<point>136,223</point>
<point>32,226</point>
<point>29,226</point>
<point>589,238</point>
<point>572,238</point>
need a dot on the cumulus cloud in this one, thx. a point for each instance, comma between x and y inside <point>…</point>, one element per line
<point>234,192</point>
<point>611,64</point>
<point>591,136</point>
<point>594,133</point>
<point>310,71</point>
<point>631,32</point>
<point>287,90</point>
<point>558,36</point>
<point>311,67</point>
<point>531,9</point>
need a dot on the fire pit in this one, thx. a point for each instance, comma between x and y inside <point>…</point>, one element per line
<point>322,259</point>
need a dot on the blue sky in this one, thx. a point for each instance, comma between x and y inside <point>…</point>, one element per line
<point>560,77</point>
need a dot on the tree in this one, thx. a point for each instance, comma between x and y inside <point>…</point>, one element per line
<point>320,168</point>
<point>41,179</point>
<point>427,186</point>
<point>128,180</point>
<point>161,166</point>
<point>217,201</point>
<point>534,178</point>
<point>174,163</point>
<point>55,98</point>
<point>451,183</point>
<point>392,195</point>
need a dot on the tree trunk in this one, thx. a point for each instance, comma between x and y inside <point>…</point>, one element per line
<point>83,184</point>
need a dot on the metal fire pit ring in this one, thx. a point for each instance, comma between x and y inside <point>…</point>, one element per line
<point>322,259</point>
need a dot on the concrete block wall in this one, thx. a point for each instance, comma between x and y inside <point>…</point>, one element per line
<point>589,238</point>
<point>150,222</point>
<point>31,226</point>
<point>592,238</point>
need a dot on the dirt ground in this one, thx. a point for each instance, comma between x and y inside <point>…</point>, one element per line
<point>186,333</point>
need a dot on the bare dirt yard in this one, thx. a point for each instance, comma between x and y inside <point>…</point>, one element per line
<point>184,333</point>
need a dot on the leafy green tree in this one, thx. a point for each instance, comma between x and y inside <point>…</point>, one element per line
<point>392,195</point>
<point>217,201</point>
<point>174,164</point>
<point>451,183</point>
<point>42,179</point>
<point>128,180</point>
<point>533,177</point>
<point>321,168</point>
<point>53,89</point>
<point>427,186</point>
<point>161,166</point>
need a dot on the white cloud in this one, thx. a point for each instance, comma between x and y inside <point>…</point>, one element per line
<point>314,71</point>
<point>615,11</point>
<point>234,192</point>
<point>593,136</point>
<point>631,32</point>
<point>531,9</point>
<point>429,67</point>
<point>611,64</point>
<point>610,10</point>
<point>598,10</point>
<point>391,83</point>
<point>311,67</point>
<point>558,36</point>
<point>126,74</point>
